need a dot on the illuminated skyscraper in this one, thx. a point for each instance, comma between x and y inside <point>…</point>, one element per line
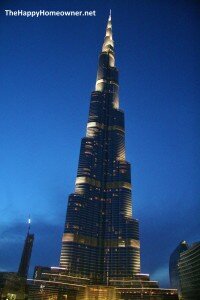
<point>101,238</point>
<point>100,256</point>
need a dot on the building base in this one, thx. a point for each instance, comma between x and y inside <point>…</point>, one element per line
<point>56,284</point>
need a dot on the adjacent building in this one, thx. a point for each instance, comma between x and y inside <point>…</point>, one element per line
<point>26,256</point>
<point>173,265</point>
<point>189,272</point>
<point>13,285</point>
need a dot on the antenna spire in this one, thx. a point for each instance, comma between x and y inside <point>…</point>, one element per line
<point>29,223</point>
<point>110,15</point>
<point>108,45</point>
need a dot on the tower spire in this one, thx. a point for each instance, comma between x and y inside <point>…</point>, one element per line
<point>110,15</point>
<point>108,45</point>
<point>29,223</point>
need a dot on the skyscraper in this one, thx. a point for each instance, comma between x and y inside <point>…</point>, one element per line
<point>13,285</point>
<point>101,238</point>
<point>100,256</point>
<point>26,254</point>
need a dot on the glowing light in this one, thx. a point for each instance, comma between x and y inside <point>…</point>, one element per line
<point>68,237</point>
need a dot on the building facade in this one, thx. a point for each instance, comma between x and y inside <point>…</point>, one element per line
<point>12,286</point>
<point>101,238</point>
<point>173,265</point>
<point>100,256</point>
<point>189,273</point>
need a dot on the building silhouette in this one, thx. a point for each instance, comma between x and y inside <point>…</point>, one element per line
<point>100,256</point>
<point>189,273</point>
<point>13,285</point>
<point>173,265</point>
<point>26,254</point>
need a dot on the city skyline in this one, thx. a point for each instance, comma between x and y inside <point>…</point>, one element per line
<point>139,154</point>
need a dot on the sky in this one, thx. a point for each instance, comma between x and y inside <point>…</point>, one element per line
<point>47,72</point>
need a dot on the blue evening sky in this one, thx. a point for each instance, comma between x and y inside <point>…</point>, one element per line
<point>48,70</point>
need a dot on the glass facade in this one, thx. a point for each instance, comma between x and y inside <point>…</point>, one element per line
<point>173,265</point>
<point>101,238</point>
<point>189,273</point>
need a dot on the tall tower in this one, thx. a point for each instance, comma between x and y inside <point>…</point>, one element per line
<point>101,238</point>
<point>26,254</point>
